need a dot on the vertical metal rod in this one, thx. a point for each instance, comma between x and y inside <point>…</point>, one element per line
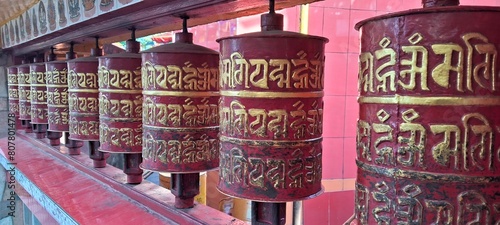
<point>439,3</point>
<point>132,36</point>
<point>98,157</point>
<point>131,167</point>
<point>184,23</point>
<point>268,213</point>
<point>271,6</point>
<point>298,213</point>
<point>185,186</point>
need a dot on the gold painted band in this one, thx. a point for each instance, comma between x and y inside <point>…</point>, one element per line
<point>179,129</point>
<point>120,91</point>
<point>57,85</point>
<point>83,91</point>
<point>270,94</point>
<point>432,101</point>
<point>82,114</point>
<point>271,143</point>
<point>38,85</point>
<point>182,93</point>
<point>58,106</point>
<point>425,176</point>
<point>103,118</point>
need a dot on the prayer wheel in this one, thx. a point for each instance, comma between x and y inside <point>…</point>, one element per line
<point>57,96</point>
<point>24,87</point>
<point>271,113</point>
<point>57,99</point>
<point>180,117</point>
<point>120,107</point>
<point>13,91</point>
<point>39,118</point>
<point>83,99</point>
<point>180,113</point>
<point>428,146</point>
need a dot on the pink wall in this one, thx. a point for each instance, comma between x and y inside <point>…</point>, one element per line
<point>334,19</point>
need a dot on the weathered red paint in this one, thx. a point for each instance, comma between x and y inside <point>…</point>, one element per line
<point>38,93</point>
<point>427,137</point>
<point>120,103</point>
<point>120,108</point>
<point>180,118</point>
<point>13,91</point>
<point>24,82</point>
<point>38,98</point>
<point>271,112</point>
<point>57,96</point>
<point>83,95</point>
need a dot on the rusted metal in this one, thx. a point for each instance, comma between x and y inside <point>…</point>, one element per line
<point>120,107</point>
<point>13,91</point>
<point>39,97</point>
<point>83,95</point>
<point>180,113</point>
<point>24,87</point>
<point>271,108</point>
<point>427,137</point>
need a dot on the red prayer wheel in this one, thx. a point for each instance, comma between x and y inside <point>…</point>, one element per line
<point>24,87</point>
<point>83,99</point>
<point>428,146</point>
<point>120,108</point>
<point>120,103</point>
<point>271,113</point>
<point>57,96</point>
<point>13,91</point>
<point>38,93</point>
<point>180,117</point>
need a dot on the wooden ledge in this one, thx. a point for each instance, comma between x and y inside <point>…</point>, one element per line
<point>75,193</point>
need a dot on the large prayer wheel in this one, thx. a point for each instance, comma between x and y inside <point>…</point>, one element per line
<point>57,96</point>
<point>428,146</point>
<point>83,98</point>
<point>180,117</point>
<point>120,107</point>
<point>271,113</point>
<point>13,91</point>
<point>120,103</point>
<point>24,86</point>
<point>38,94</point>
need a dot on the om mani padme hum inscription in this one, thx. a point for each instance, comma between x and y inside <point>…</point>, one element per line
<point>428,134</point>
<point>83,99</point>
<point>271,115</point>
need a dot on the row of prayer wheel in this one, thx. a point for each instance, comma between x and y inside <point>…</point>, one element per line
<point>187,109</point>
<point>427,146</point>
